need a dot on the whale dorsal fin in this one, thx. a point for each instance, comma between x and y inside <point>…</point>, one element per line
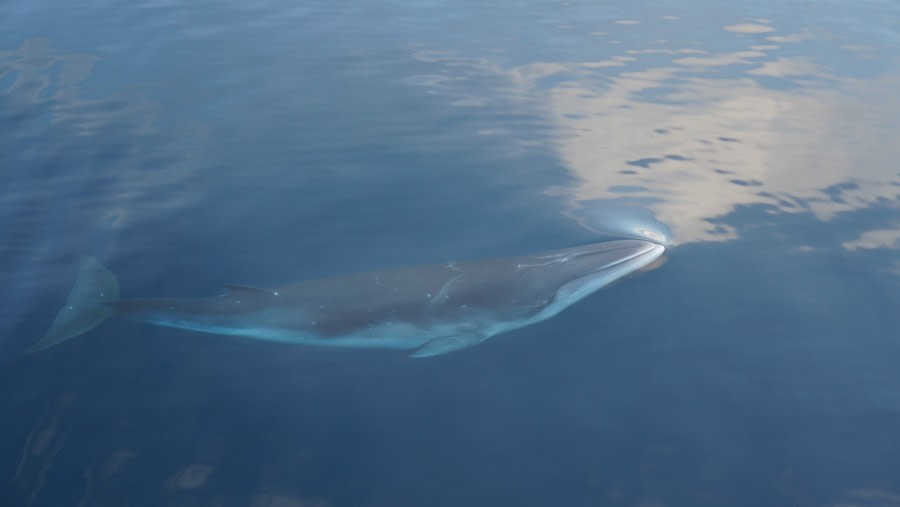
<point>247,289</point>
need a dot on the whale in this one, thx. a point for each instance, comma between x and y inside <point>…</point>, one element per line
<point>427,310</point>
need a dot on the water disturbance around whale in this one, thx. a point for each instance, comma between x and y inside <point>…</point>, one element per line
<point>430,310</point>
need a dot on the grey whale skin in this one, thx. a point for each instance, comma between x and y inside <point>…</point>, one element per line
<point>430,310</point>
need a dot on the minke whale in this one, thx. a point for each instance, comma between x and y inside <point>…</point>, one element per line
<point>429,310</point>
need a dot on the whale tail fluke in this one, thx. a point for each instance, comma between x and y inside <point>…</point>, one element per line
<point>85,307</point>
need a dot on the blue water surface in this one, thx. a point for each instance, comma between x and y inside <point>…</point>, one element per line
<point>193,144</point>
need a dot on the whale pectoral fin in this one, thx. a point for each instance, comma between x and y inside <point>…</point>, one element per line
<point>447,344</point>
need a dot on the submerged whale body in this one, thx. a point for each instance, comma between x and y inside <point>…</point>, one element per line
<point>430,310</point>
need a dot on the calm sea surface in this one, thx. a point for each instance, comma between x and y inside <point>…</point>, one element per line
<point>191,144</point>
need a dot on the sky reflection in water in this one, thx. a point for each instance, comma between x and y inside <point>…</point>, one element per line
<point>693,134</point>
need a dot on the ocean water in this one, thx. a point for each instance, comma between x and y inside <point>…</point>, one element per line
<point>190,145</point>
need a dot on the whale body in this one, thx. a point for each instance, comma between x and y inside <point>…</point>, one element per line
<point>429,310</point>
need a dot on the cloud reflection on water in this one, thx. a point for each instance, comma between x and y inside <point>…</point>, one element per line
<point>693,134</point>
<point>65,139</point>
